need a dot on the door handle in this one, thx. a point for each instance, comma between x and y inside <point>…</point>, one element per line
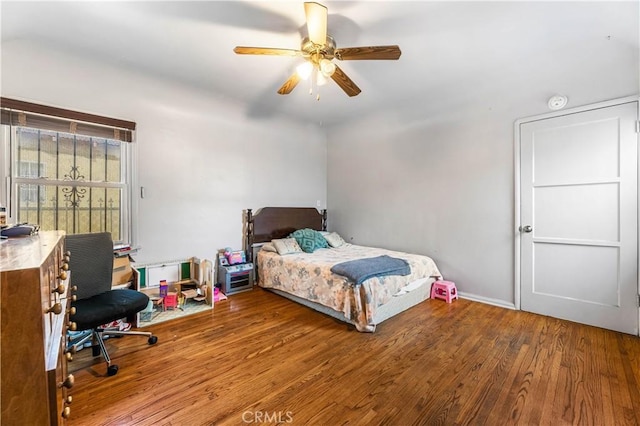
<point>526,228</point>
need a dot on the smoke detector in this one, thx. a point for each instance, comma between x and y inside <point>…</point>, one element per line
<point>557,102</point>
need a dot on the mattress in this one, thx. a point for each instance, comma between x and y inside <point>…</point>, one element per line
<point>308,276</point>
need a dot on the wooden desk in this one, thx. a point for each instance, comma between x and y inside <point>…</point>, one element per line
<point>34,307</point>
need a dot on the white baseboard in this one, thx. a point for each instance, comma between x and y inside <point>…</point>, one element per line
<point>487,300</point>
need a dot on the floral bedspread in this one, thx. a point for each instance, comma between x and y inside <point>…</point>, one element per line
<point>309,276</point>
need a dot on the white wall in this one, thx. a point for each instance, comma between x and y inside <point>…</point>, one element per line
<point>437,188</point>
<point>443,185</point>
<point>201,160</point>
<point>435,174</point>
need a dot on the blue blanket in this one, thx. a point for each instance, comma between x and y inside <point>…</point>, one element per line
<point>362,269</point>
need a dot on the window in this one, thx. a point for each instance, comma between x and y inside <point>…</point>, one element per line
<point>29,193</point>
<point>67,180</point>
<point>85,187</point>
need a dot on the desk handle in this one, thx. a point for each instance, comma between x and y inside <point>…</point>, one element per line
<point>56,309</point>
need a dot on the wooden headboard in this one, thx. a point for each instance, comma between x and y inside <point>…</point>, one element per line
<point>278,222</point>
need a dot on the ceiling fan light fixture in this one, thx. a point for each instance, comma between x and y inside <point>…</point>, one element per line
<point>304,70</point>
<point>327,68</point>
<point>321,79</point>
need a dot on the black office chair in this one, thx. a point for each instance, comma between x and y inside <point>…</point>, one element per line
<point>91,266</point>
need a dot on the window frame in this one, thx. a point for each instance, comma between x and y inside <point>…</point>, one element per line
<point>9,188</point>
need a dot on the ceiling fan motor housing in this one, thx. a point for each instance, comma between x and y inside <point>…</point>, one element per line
<point>316,52</point>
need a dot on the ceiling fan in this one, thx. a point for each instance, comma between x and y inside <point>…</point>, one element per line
<point>319,49</point>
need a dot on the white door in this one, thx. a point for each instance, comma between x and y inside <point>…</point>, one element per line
<point>579,217</point>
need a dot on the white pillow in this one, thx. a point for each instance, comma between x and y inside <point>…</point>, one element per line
<point>269,247</point>
<point>334,239</point>
<point>286,246</point>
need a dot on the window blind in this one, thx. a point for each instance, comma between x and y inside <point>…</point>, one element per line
<point>26,114</point>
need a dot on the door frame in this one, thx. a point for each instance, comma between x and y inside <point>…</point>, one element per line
<point>517,181</point>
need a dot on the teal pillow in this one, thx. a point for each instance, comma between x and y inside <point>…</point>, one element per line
<point>309,240</point>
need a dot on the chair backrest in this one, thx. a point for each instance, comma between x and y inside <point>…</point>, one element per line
<point>91,262</point>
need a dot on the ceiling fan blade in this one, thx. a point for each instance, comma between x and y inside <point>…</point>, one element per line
<point>248,50</point>
<point>316,22</point>
<point>368,52</point>
<point>345,82</point>
<point>290,84</point>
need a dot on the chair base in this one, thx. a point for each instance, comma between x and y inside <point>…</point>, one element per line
<point>98,347</point>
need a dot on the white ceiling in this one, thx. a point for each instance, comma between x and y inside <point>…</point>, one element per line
<point>455,55</point>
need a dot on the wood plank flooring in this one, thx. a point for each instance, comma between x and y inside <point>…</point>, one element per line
<point>258,358</point>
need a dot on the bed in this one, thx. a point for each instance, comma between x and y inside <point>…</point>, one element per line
<point>306,278</point>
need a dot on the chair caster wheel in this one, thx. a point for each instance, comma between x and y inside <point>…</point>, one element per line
<point>112,370</point>
<point>153,340</point>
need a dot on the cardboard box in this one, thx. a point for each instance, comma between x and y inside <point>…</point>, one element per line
<point>122,271</point>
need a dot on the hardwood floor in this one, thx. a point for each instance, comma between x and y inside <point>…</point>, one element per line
<point>261,359</point>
